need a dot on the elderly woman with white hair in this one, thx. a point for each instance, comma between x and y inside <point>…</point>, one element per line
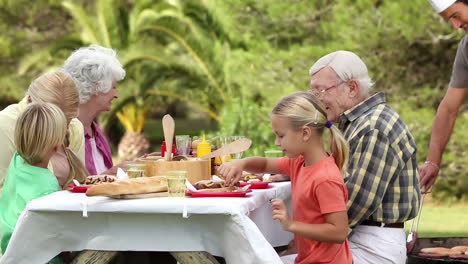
<point>96,71</point>
<point>382,176</point>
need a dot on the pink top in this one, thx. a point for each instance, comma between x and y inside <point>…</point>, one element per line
<point>102,146</point>
<point>317,190</point>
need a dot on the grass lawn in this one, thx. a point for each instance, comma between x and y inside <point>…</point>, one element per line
<point>443,221</point>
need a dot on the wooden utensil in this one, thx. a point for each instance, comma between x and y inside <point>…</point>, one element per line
<point>237,146</point>
<point>168,128</point>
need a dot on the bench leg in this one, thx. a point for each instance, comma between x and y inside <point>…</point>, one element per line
<point>94,257</point>
<point>194,257</point>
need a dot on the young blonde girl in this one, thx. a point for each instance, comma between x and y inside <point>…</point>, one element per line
<point>40,131</point>
<point>319,195</point>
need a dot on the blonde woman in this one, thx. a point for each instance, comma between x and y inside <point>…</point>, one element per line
<point>40,132</point>
<point>319,195</point>
<point>59,89</point>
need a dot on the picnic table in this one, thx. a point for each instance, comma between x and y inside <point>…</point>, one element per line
<point>241,230</point>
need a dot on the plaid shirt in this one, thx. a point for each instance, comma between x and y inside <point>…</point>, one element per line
<point>382,175</point>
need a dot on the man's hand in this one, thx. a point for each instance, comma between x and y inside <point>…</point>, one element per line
<point>231,171</point>
<point>280,212</point>
<point>427,176</point>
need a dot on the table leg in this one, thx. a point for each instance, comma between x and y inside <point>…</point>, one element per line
<point>194,257</point>
<point>94,257</point>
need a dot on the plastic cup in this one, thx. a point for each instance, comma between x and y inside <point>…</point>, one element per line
<point>176,183</point>
<point>274,153</point>
<point>136,170</point>
<point>239,154</point>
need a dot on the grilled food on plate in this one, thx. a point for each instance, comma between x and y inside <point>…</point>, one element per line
<point>214,186</point>
<point>98,179</point>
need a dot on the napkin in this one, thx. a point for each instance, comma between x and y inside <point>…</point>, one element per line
<point>121,174</point>
<point>190,186</point>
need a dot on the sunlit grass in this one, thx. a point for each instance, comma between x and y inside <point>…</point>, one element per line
<point>443,221</point>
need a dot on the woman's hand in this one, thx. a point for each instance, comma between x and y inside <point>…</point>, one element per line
<point>231,171</point>
<point>280,212</point>
<point>148,155</point>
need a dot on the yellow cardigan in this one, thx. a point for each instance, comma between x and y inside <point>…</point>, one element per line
<point>8,117</point>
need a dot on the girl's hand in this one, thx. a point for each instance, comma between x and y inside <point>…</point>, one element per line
<point>231,171</point>
<point>280,212</point>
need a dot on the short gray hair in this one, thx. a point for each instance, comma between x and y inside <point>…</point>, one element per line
<point>347,66</point>
<point>93,69</point>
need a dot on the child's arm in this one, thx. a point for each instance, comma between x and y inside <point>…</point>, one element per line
<point>334,230</point>
<point>232,171</point>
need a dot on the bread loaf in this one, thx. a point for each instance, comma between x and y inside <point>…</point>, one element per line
<point>463,249</point>
<point>131,186</point>
<point>440,251</point>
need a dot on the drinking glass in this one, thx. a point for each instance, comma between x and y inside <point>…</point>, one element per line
<point>136,170</point>
<point>176,183</point>
<point>184,144</point>
<point>239,154</point>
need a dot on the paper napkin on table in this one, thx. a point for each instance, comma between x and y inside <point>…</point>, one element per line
<point>121,174</point>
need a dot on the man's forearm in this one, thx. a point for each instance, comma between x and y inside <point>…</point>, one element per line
<point>441,132</point>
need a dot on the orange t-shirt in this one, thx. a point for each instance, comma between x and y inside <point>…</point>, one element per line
<point>317,190</point>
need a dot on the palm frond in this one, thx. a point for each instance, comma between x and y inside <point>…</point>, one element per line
<point>104,10</point>
<point>194,54</point>
<point>89,33</point>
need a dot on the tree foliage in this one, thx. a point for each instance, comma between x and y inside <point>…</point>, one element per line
<point>235,59</point>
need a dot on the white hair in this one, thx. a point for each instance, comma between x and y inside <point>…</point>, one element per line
<point>94,69</point>
<point>347,65</point>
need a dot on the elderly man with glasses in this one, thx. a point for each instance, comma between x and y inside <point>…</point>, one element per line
<point>382,176</point>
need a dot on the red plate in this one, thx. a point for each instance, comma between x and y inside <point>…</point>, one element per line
<point>79,189</point>
<point>255,185</point>
<point>219,194</point>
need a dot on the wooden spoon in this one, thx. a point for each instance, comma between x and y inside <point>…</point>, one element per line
<point>237,146</point>
<point>168,128</point>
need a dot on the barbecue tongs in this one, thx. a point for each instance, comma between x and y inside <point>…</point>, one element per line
<point>413,234</point>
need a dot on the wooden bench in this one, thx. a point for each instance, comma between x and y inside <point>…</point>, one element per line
<point>104,257</point>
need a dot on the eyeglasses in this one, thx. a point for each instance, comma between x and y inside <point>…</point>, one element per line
<point>320,92</point>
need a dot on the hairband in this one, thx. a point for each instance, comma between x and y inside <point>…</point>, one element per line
<point>329,124</point>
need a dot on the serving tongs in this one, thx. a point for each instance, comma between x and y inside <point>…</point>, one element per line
<point>413,233</point>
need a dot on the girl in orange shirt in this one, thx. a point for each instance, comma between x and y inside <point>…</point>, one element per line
<point>319,195</point>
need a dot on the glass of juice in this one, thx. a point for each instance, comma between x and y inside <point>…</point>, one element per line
<point>176,183</point>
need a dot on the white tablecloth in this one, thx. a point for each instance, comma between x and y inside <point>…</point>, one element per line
<point>239,229</point>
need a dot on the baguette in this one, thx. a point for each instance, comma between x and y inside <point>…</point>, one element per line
<point>463,249</point>
<point>440,251</point>
<point>131,186</point>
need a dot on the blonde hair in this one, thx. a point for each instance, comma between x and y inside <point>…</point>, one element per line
<point>304,109</point>
<point>59,89</point>
<point>40,128</point>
